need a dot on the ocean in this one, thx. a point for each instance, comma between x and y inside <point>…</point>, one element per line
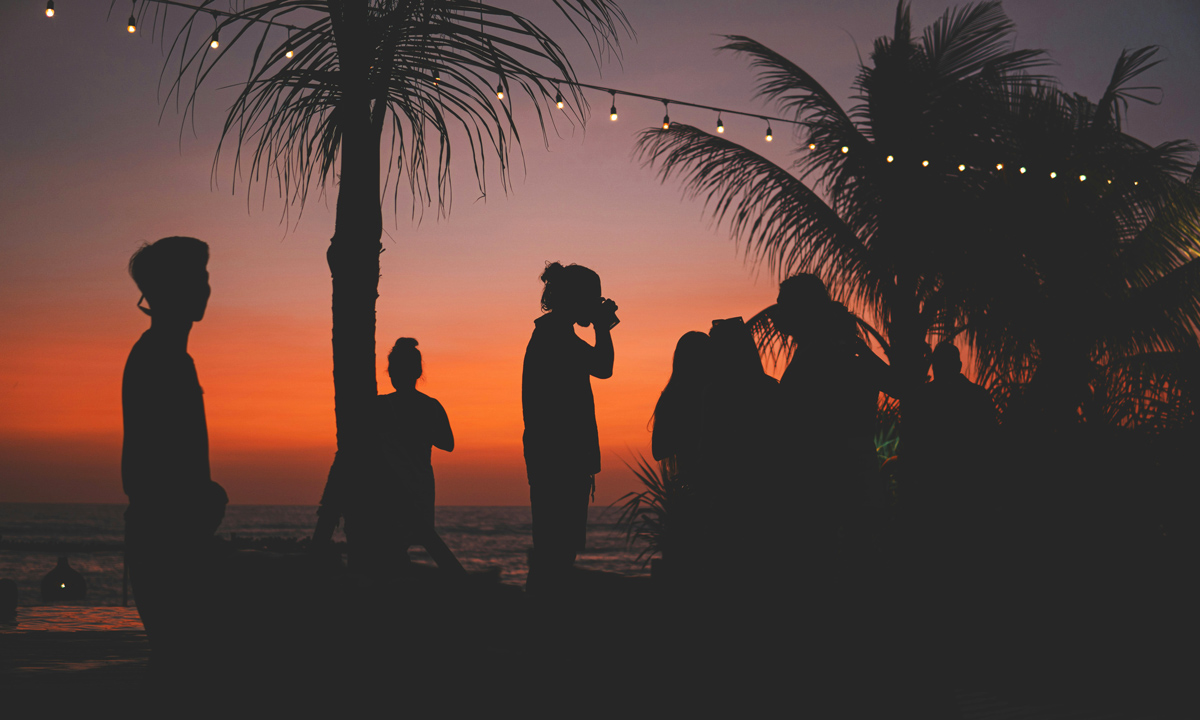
<point>481,538</point>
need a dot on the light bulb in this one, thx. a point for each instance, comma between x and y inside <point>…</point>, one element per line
<point>720,126</point>
<point>812,146</point>
<point>132,24</point>
<point>1110,182</point>
<point>845,149</point>
<point>924,163</point>
<point>1053,175</point>
<point>770,135</point>
<point>216,40</point>
<point>1022,171</point>
<point>612,113</point>
<point>1082,178</point>
<point>999,166</point>
<point>558,99</point>
<point>499,91</point>
<point>962,167</point>
<point>890,158</point>
<point>1135,182</point>
<point>666,122</point>
<point>49,8</point>
<point>289,55</point>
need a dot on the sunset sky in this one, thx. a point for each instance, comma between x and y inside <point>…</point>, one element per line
<point>89,172</point>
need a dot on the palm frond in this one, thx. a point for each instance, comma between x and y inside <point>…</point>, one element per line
<point>1114,104</point>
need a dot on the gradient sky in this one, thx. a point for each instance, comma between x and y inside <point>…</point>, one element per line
<point>88,173</point>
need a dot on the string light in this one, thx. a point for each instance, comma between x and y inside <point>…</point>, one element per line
<point>1082,178</point>
<point>558,98</point>
<point>770,135</point>
<point>924,163</point>
<point>290,54</point>
<point>49,8</point>
<point>500,90</point>
<point>962,167</point>
<point>1110,182</point>
<point>666,117</point>
<point>1022,171</point>
<point>812,146</point>
<point>720,124</point>
<point>132,27</point>
<point>999,166</point>
<point>1053,175</point>
<point>845,149</point>
<point>890,158</point>
<point>612,111</point>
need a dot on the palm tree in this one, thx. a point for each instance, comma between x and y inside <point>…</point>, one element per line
<point>321,98</point>
<point>935,212</point>
<point>1097,310</point>
<point>882,224</point>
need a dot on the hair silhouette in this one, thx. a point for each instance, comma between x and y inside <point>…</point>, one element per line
<point>676,415</point>
<point>404,362</point>
<point>159,268</point>
<point>568,286</point>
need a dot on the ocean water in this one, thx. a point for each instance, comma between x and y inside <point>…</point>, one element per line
<point>481,538</point>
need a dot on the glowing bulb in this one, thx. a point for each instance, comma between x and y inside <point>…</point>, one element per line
<point>1135,182</point>
<point>890,158</point>
<point>770,135</point>
<point>1053,175</point>
<point>1110,182</point>
<point>62,585</point>
<point>1082,178</point>
<point>499,91</point>
<point>720,126</point>
<point>132,25</point>
<point>999,166</point>
<point>612,113</point>
<point>49,8</point>
<point>666,122</point>
<point>924,163</point>
<point>1022,171</point>
<point>812,146</point>
<point>558,99</point>
<point>962,167</point>
<point>289,55</point>
<point>216,40</point>
<point>845,149</point>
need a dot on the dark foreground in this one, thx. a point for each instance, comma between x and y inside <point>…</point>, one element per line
<point>1076,644</point>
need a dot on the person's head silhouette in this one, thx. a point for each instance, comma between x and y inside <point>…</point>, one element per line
<point>802,300</point>
<point>404,363</point>
<point>947,363</point>
<point>693,357</point>
<point>572,292</point>
<point>734,353</point>
<point>172,274</point>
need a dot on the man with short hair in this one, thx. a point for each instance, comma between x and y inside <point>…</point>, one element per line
<point>174,506</point>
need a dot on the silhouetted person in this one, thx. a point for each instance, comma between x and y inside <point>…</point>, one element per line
<point>677,439</point>
<point>739,440</point>
<point>947,437</point>
<point>395,509</point>
<point>174,506</point>
<point>8,600</point>
<point>63,583</point>
<point>562,446</point>
<point>830,393</point>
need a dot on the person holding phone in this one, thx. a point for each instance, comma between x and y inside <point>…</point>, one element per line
<point>562,446</point>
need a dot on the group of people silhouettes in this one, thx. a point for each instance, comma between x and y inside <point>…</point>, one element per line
<point>779,467</point>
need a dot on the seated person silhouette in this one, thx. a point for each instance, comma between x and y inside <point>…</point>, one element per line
<point>395,506</point>
<point>947,426</point>
<point>174,506</point>
<point>562,446</point>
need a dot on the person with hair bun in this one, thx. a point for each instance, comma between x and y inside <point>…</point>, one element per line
<point>397,510</point>
<point>562,446</point>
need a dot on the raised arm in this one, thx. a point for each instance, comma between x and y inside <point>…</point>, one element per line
<point>600,357</point>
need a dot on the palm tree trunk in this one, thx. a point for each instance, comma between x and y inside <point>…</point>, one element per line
<point>353,258</point>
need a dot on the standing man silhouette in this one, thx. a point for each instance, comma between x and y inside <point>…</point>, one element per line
<point>174,506</point>
<point>562,446</point>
